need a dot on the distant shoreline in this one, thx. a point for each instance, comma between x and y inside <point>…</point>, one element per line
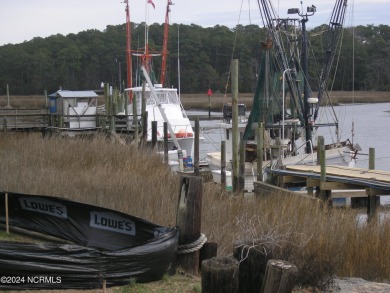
<point>201,101</point>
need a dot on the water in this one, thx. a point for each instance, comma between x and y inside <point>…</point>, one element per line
<point>371,130</point>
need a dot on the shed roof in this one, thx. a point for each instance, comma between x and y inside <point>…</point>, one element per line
<point>77,94</point>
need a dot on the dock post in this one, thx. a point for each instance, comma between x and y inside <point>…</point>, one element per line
<point>144,114</point>
<point>188,220</point>
<point>325,195</point>
<point>320,146</point>
<point>223,164</point>
<point>260,147</point>
<point>154,134</point>
<point>241,169</point>
<point>371,158</point>
<point>8,102</point>
<point>196,148</point>
<point>219,275</point>
<point>145,128</point>
<point>165,142</point>
<point>235,135</point>
<point>373,200</point>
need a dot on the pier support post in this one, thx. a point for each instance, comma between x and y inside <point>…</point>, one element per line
<point>235,135</point>
<point>241,169</point>
<point>154,134</point>
<point>196,148</point>
<point>279,277</point>
<point>223,164</point>
<point>166,142</point>
<point>220,275</point>
<point>188,221</point>
<point>145,128</point>
<point>253,257</point>
<point>373,201</point>
<point>260,154</point>
<point>325,195</point>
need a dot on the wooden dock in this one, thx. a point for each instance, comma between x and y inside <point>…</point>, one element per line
<point>353,182</point>
<point>337,177</point>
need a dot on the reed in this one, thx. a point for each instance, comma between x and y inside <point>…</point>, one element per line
<point>322,242</point>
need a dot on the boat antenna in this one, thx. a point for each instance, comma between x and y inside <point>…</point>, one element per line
<point>353,71</point>
<point>178,59</point>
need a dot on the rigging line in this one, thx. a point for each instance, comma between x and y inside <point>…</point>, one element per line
<point>234,47</point>
<point>337,64</point>
<point>249,12</point>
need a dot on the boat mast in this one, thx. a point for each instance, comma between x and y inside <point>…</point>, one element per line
<point>305,68</point>
<point>128,50</point>
<point>165,45</point>
<point>306,92</point>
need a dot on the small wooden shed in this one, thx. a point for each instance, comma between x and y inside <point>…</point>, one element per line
<point>78,108</point>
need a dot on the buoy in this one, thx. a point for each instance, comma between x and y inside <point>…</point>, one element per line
<point>183,134</point>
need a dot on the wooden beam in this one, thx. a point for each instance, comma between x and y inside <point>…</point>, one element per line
<point>352,194</point>
<point>329,185</point>
<point>376,191</point>
<point>292,179</point>
<point>312,182</point>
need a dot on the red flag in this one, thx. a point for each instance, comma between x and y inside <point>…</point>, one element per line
<point>151,2</point>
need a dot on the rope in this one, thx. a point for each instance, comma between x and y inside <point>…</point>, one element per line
<point>192,247</point>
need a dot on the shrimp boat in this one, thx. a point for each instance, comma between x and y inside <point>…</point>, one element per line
<point>162,103</point>
<point>284,101</point>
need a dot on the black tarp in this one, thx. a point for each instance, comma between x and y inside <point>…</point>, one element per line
<point>105,245</point>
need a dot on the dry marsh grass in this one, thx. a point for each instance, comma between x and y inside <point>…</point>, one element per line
<point>322,242</point>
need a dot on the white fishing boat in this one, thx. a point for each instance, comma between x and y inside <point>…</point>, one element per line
<point>162,103</point>
<point>284,102</point>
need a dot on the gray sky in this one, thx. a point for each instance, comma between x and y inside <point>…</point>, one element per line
<point>22,20</point>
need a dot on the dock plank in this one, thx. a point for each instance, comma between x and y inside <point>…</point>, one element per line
<point>343,171</point>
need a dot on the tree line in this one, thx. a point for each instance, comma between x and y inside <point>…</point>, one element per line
<point>82,61</point>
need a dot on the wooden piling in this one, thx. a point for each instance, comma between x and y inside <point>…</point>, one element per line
<point>188,220</point>
<point>280,277</point>
<point>223,163</point>
<point>324,194</point>
<point>196,148</point>
<point>373,201</point>
<point>144,128</point>
<point>154,134</point>
<point>241,169</point>
<point>209,250</point>
<point>371,158</point>
<point>260,152</point>
<point>165,142</point>
<point>144,114</point>
<point>235,134</point>
<point>220,275</point>
<point>8,101</point>
<point>253,258</point>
